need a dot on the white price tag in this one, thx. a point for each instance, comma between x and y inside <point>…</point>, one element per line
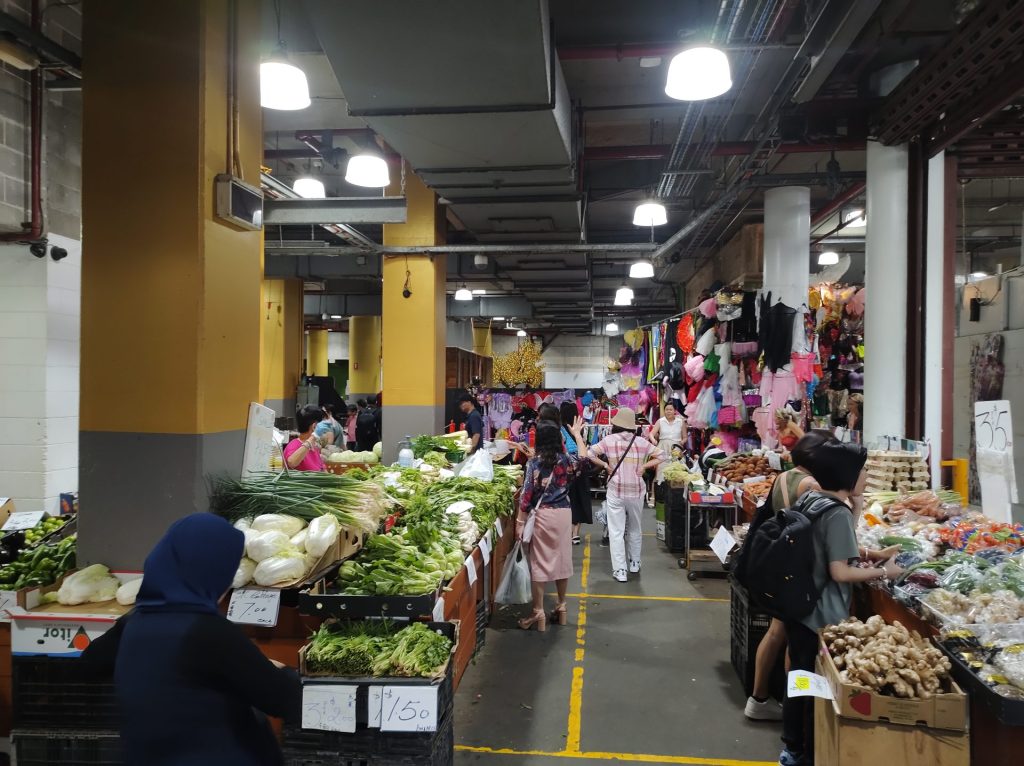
<point>8,598</point>
<point>774,462</point>
<point>374,698</point>
<point>471,569</point>
<point>255,606</point>
<point>409,708</point>
<point>802,683</point>
<point>329,708</point>
<point>722,543</point>
<point>22,520</point>
<point>497,528</point>
<point>438,614</point>
<point>485,547</point>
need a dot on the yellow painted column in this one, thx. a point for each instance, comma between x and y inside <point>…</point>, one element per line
<point>280,366</point>
<point>317,362</point>
<point>364,357</point>
<point>170,339</point>
<point>413,346</point>
<point>482,341</point>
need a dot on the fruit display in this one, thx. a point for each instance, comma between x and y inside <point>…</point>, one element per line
<point>887,659</point>
<point>44,528</point>
<point>740,467</point>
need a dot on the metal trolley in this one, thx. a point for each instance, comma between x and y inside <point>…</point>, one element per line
<point>725,511</point>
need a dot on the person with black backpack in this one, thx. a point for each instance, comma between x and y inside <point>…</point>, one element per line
<point>799,568</point>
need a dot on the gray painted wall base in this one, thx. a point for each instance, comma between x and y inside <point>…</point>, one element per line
<point>353,398</point>
<point>398,421</point>
<point>134,485</point>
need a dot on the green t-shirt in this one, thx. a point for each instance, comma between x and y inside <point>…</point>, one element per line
<point>834,540</point>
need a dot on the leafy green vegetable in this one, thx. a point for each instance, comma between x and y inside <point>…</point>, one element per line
<point>377,649</point>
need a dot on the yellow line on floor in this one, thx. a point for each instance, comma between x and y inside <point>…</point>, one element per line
<point>647,598</point>
<point>637,757</point>
<point>574,725</point>
<point>585,571</point>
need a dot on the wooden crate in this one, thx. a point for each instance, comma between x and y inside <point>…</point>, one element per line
<point>842,741</point>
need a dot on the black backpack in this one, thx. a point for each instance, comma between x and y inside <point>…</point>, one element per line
<point>776,565</point>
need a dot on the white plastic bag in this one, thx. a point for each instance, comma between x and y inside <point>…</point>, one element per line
<point>514,586</point>
<point>601,515</point>
<point>478,466</point>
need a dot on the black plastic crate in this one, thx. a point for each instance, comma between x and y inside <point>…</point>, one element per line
<point>371,747</point>
<point>71,748</point>
<point>46,690</point>
<point>747,626</point>
<point>1007,711</point>
<point>677,513</point>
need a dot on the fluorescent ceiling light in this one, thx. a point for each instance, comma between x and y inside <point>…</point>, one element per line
<point>499,319</point>
<point>335,316</point>
<point>612,327</point>
<point>367,170</point>
<point>462,294</point>
<point>979,274</point>
<point>521,333</point>
<point>649,62</point>
<point>828,258</point>
<point>642,269</point>
<point>698,74</point>
<point>310,188</point>
<point>623,296</point>
<point>650,214</point>
<point>478,291</point>
<point>283,85</point>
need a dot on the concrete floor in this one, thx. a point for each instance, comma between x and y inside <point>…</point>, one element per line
<point>646,678</point>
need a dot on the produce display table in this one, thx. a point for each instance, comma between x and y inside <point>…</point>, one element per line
<point>992,742</point>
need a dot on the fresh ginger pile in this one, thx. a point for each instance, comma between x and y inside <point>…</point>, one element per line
<point>887,659</point>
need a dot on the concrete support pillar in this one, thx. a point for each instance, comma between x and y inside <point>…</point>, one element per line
<point>316,353</point>
<point>364,357</point>
<point>787,234</point>
<point>281,339</point>
<point>170,293</point>
<point>885,331</point>
<point>482,341</point>
<point>414,330</point>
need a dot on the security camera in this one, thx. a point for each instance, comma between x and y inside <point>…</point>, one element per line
<point>407,293</point>
<point>480,261</point>
<point>38,249</point>
<point>58,253</point>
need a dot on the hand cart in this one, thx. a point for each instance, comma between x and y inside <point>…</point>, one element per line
<point>724,507</point>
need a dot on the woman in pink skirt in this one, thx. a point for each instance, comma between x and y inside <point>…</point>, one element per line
<point>545,496</point>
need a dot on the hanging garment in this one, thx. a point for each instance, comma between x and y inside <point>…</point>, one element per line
<point>730,387</point>
<point>685,334</point>
<point>764,421</point>
<point>777,322</point>
<point>803,367</point>
<point>777,388</point>
<point>500,411</point>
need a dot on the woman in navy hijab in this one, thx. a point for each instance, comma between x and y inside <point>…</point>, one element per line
<point>192,688</point>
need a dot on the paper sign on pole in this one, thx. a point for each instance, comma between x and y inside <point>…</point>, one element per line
<point>259,440</point>
<point>329,708</point>
<point>993,438</point>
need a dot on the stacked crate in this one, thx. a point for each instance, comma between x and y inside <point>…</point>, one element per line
<point>892,471</point>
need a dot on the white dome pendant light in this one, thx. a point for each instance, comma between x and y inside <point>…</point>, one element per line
<point>310,188</point>
<point>642,269</point>
<point>367,169</point>
<point>463,293</point>
<point>623,296</point>
<point>698,74</point>
<point>611,328</point>
<point>651,213</point>
<point>282,84</point>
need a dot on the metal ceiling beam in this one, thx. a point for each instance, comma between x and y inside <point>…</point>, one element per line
<point>832,52</point>
<point>342,305</point>
<point>520,308</point>
<point>273,188</point>
<point>71,61</point>
<point>334,210</point>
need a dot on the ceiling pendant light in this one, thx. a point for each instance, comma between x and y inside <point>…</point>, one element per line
<point>521,333</point>
<point>623,296</point>
<point>828,258</point>
<point>310,188</point>
<point>282,84</point>
<point>650,214</point>
<point>463,294</point>
<point>698,74</point>
<point>367,169</point>
<point>642,269</point>
<point>612,327</point>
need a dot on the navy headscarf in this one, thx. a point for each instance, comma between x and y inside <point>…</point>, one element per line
<point>192,565</point>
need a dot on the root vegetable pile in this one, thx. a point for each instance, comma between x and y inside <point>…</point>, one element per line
<point>740,467</point>
<point>887,659</point>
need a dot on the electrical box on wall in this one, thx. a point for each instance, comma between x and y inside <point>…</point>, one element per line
<point>239,203</point>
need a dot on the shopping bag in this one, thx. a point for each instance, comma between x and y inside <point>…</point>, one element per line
<point>601,515</point>
<point>477,466</point>
<point>514,586</point>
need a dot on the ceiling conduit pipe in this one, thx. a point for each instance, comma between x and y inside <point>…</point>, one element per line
<point>34,228</point>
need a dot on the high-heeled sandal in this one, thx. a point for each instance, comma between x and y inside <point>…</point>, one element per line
<point>559,615</point>
<point>538,619</point>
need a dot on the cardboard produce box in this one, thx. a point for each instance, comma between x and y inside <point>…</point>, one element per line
<point>942,711</point>
<point>840,741</point>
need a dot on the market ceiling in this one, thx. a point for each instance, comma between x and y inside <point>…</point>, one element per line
<point>545,123</point>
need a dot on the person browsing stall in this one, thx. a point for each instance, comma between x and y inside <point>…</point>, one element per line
<point>474,421</point>
<point>303,453</point>
<point>329,431</point>
<point>192,689</point>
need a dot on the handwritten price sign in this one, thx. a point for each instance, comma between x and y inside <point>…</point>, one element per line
<point>408,708</point>
<point>255,606</point>
<point>329,708</point>
<point>992,428</point>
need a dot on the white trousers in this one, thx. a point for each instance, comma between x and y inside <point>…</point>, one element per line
<point>624,532</point>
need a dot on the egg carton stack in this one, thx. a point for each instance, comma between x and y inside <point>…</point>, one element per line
<point>890,471</point>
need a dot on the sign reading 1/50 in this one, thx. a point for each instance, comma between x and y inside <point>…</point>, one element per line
<point>408,708</point>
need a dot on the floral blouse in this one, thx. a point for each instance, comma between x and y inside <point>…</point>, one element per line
<point>566,469</point>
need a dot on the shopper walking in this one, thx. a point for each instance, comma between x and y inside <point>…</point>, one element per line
<point>579,489</point>
<point>367,429</point>
<point>839,471</point>
<point>545,518</point>
<point>668,431</point>
<point>474,422</point>
<point>350,426</point>
<point>189,683</point>
<point>625,457</point>
<point>303,453</point>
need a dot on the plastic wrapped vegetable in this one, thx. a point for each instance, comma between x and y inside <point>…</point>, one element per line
<point>128,592</point>
<point>282,523</point>
<point>90,585</point>
<point>277,570</point>
<point>263,545</point>
<point>963,577</point>
<point>244,573</point>
<point>322,534</point>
